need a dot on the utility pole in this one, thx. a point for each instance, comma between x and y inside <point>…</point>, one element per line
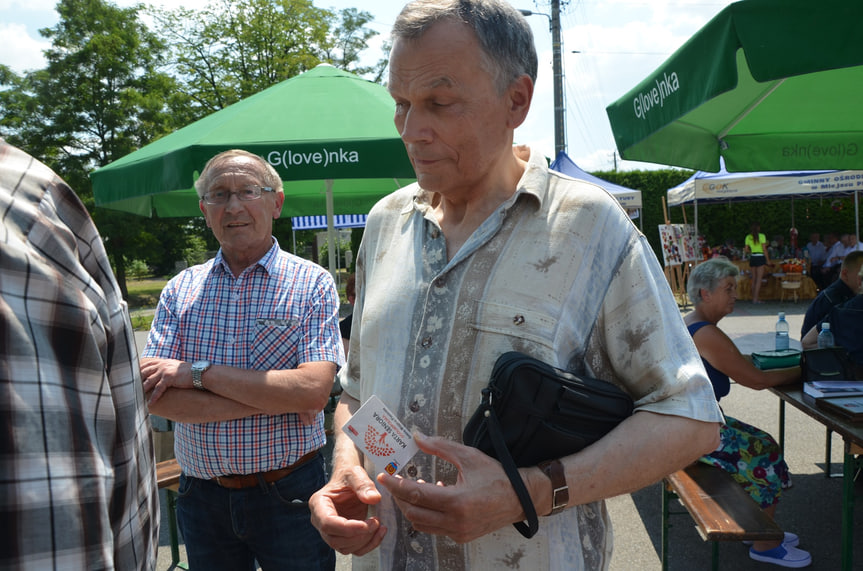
<point>557,66</point>
<point>557,70</point>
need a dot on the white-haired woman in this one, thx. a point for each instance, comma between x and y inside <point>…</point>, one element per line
<point>748,453</point>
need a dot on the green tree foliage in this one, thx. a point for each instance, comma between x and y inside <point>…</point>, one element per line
<point>731,221</point>
<point>350,37</point>
<point>100,96</point>
<point>235,48</point>
<point>653,185</point>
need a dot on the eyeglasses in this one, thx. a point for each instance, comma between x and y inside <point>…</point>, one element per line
<point>246,193</point>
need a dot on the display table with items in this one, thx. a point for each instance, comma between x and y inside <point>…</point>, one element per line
<point>781,281</point>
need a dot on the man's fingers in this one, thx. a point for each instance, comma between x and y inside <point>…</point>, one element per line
<point>357,545</point>
<point>358,480</point>
<point>338,512</point>
<point>457,454</point>
<point>157,391</point>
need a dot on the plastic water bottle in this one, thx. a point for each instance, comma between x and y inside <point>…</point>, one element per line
<point>782,333</point>
<point>825,338</point>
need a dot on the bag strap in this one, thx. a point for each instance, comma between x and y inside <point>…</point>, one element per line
<point>496,434</point>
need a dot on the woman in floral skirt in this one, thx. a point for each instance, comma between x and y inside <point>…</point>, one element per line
<point>749,454</point>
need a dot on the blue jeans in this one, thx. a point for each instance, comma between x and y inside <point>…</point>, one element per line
<point>230,529</point>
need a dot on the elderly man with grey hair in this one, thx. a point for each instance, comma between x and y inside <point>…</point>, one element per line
<point>242,355</point>
<point>490,252</point>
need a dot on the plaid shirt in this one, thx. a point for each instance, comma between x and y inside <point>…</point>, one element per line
<point>77,477</point>
<point>278,313</point>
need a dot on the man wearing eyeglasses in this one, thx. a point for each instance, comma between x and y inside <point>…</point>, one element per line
<point>242,355</point>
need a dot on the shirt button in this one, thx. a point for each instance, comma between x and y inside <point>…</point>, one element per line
<point>518,319</point>
<point>440,282</point>
<point>426,342</point>
<point>435,233</point>
<point>414,406</point>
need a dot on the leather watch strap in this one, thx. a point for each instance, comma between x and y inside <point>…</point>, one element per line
<point>559,490</point>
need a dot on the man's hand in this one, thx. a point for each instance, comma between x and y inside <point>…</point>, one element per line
<point>159,375</point>
<point>482,500</point>
<point>340,510</point>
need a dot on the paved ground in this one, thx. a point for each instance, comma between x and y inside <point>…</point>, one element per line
<point>810,508</point>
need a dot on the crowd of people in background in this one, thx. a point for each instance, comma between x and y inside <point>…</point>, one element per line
<point>821,259</point>
<point>825,258</point>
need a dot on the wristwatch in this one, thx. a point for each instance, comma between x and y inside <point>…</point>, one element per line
<point>559,490</point>
<point>198,368</point>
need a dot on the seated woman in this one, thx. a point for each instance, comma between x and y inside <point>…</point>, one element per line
<point>750,455</point>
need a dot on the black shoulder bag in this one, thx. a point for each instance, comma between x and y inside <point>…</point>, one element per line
<point>826,364</point>
<point>532,412</point>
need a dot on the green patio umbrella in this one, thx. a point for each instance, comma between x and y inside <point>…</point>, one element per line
<point>329,133</point>
<point>767,84</point>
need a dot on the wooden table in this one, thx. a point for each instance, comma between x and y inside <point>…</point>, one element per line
<point>771,288</point>
<point>852,435</point>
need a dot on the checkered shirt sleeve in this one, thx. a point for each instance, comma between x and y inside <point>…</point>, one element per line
<point>77,477</point>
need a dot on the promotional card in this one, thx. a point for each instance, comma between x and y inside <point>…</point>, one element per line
<point>381,436</point>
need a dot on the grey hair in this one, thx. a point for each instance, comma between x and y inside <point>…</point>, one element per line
<point>707,275</point>
<point>269,176</point>
<point>503,33</point>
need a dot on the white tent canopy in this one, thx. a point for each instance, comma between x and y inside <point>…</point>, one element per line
<point>724,186</point>
<point>703,187</point>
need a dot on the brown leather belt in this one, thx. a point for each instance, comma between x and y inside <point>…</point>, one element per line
<point>251,480</point>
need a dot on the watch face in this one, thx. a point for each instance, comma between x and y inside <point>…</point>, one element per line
<point>201,365</point>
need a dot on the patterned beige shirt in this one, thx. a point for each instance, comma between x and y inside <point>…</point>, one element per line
<point>558,272</point>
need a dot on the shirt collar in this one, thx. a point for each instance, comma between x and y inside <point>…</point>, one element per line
<point>266,262</point>
<point>534,182</point>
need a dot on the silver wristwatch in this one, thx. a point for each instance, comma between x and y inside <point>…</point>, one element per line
<point>198,368</point>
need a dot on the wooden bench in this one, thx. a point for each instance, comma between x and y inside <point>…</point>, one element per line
<point>168,477</point>
<point>719,506</point>
<point>168,474</point>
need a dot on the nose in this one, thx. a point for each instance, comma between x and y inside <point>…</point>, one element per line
<point>234,203</point>
<point>413,126</point>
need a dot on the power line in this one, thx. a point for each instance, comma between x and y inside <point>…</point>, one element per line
<point>621,53</point>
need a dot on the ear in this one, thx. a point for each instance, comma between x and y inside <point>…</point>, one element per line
<point>204,212</point>
<point>277,207</point>
<point>519,95</point>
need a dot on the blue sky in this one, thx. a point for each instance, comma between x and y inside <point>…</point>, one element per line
<point>618,43</point>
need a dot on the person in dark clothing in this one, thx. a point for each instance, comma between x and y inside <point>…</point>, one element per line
<point>346,323</point>
<point>840,291</point>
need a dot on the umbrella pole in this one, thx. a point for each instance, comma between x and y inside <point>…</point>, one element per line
<point>331,231</point>
<point>857,214</point>
<point>792,212</point>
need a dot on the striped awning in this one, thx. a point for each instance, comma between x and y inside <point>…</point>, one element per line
<point>339,221</point>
